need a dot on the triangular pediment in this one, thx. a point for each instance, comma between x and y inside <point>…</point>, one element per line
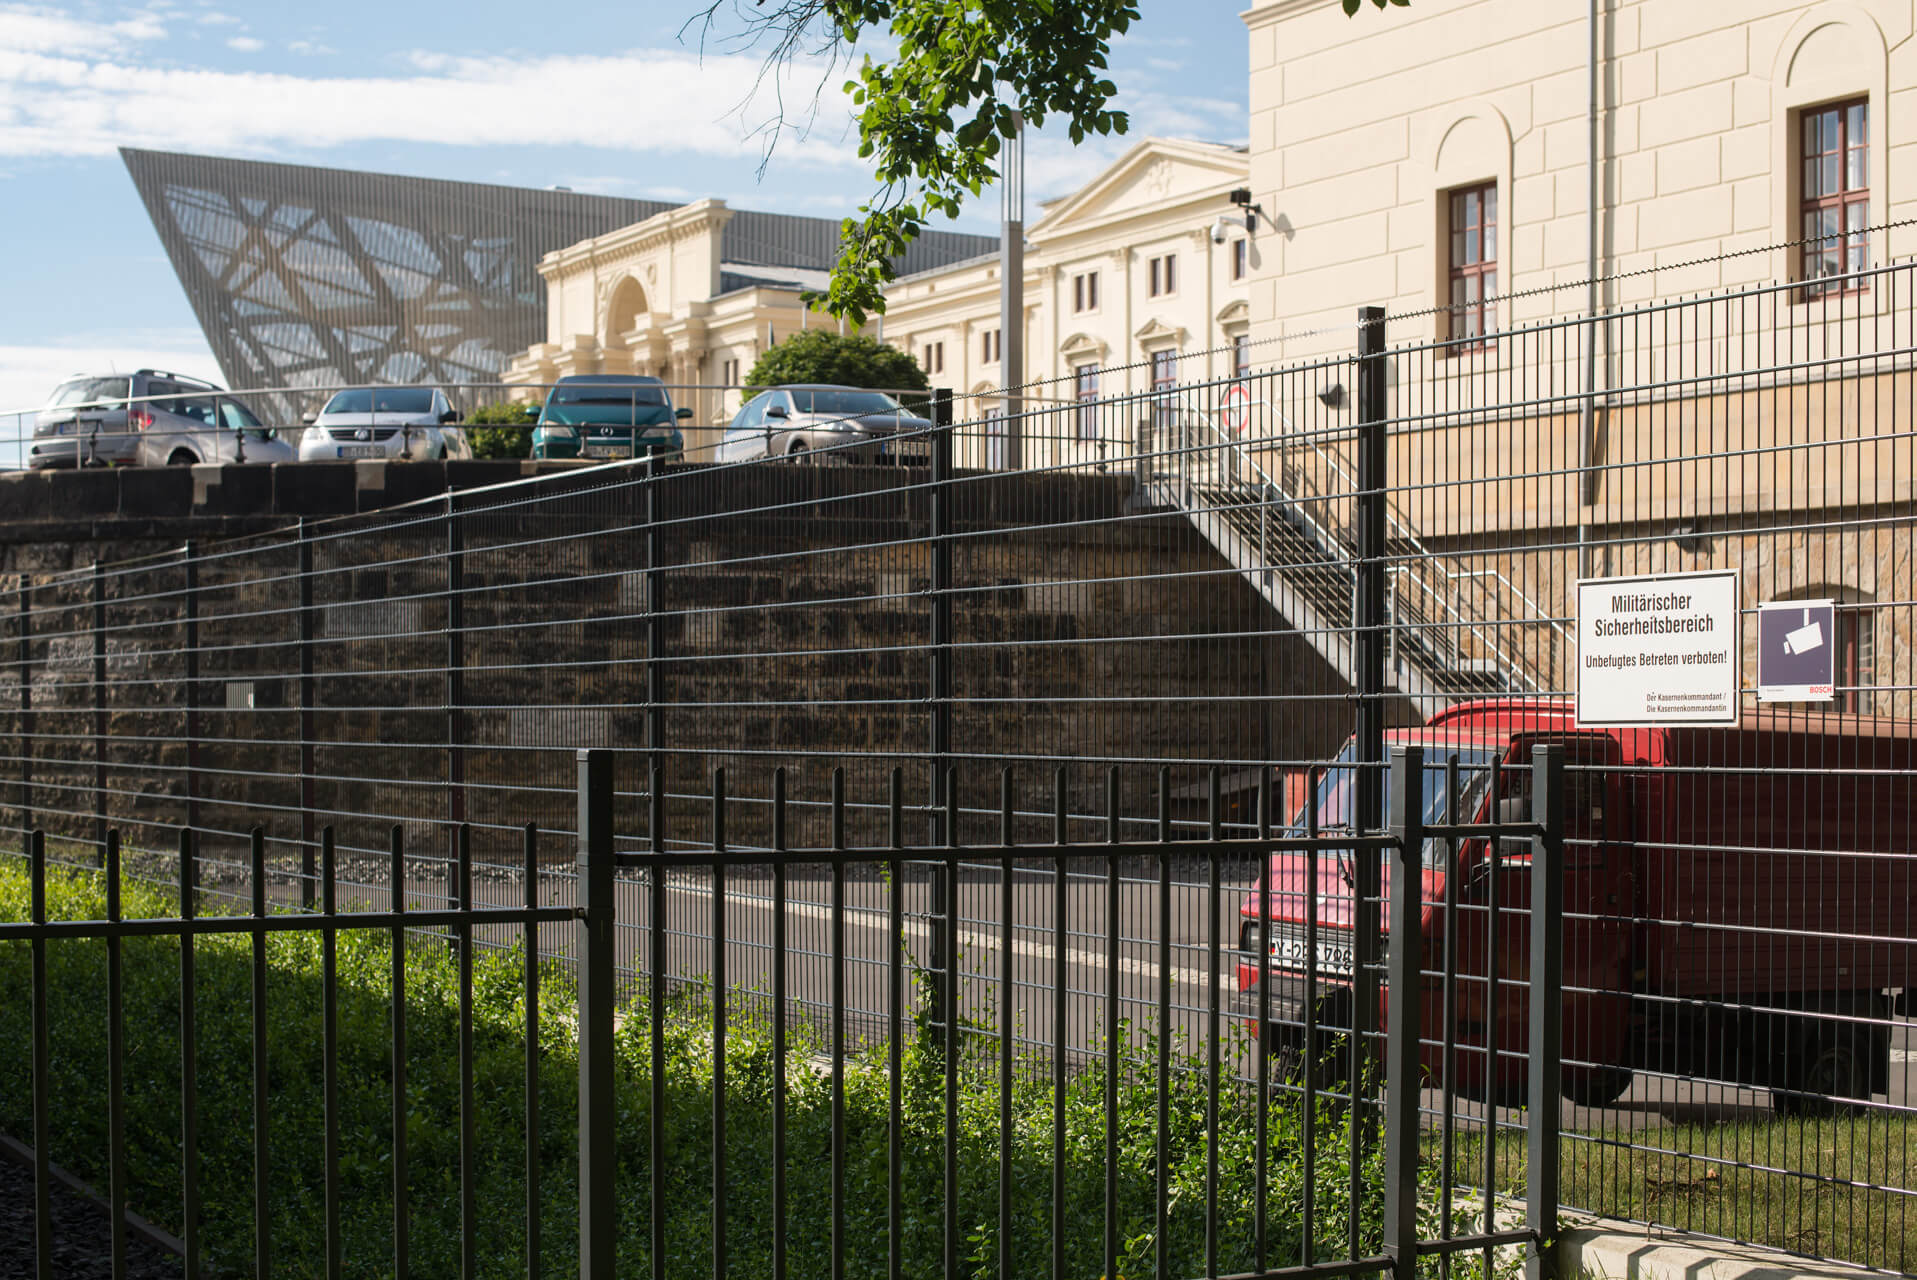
<point>1237,312</point>
<point>1155,175</point>
<point>1155,332</point>
<point>1081,345</point>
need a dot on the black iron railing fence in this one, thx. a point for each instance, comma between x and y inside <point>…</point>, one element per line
<point>1268,577</point>
<point>1157,1157</point>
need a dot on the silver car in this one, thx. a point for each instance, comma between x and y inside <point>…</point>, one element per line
<point>824,423</point>
<point>148,418</point>
<point>385,422</point>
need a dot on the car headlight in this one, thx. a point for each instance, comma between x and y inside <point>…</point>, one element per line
<point>556,432</point>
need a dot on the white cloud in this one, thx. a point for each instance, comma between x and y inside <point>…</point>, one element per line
<point>246,44</point>
<point>32,29</point>
<point>54,103</point>
<point>29,373</point>
<point>214,18</point>
<point>309,49</point>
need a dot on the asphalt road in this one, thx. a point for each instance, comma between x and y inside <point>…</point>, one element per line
<point>1155,933</point>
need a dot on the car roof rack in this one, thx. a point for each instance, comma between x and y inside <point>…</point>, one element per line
<point>177,377</point>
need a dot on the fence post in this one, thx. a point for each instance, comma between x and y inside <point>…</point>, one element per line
<point>596,979</point>
<point>1547,976</point>
<point>655,635</point>
<point>1369,625</point>
<point>455,662</point>
<point>26,703</point>
<point>308,782</point>
<point>190,619</point>
<point>1405,961</point>
<point>939,671</point>
<point>99,712</point>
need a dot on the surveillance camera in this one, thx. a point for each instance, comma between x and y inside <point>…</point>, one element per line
<point>1220,229</point>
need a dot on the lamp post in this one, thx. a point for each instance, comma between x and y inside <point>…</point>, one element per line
<point>1011,293</point>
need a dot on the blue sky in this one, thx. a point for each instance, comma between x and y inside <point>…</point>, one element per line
<point>612,98</point>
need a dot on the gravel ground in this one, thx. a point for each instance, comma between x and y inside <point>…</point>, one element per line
<point>81,1242</point>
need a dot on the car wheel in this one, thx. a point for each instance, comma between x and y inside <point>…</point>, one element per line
<point>1595,1086</point>
<point>797,452</point>
<point>1831,1073</point>
<point>181,458</point>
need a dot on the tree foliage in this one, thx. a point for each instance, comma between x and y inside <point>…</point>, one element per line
<point>500,430</point>
<point>936,102</point>
<point>820,355</point>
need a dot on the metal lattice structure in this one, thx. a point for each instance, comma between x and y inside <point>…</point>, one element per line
<point>306,276</point>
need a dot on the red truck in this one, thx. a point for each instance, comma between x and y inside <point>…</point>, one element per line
<point>1738,904</point>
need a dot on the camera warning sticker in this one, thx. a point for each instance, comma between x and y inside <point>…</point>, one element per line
<point>1796,651</point>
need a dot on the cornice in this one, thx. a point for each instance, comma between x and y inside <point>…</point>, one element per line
<point>1278,10</point>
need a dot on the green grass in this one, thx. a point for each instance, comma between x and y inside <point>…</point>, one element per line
<point>77,971</point>
<point>1705,1178</point>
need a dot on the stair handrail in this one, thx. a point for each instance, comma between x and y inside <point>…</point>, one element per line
<point>1402,530</point>
<point>1397,527</point>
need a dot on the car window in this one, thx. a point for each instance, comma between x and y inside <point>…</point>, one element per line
<point>747,419</point>
<point>198,408</point>
<point>235,416</point>
<point>781,399</point>
<point>411,401</point>
<point>359,401</point>
<point>86,390</point>
<point>630,393</point>
<point>836,402</point>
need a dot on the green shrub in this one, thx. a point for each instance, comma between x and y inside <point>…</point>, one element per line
<point>77,976</point>
<point>500,430</point>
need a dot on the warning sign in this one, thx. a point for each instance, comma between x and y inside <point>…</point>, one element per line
<point>1658,650</point>
<point>1796,651</point>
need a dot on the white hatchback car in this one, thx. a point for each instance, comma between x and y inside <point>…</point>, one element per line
<point>385,422</point>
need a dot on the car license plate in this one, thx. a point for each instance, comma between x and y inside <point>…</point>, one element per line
<point>362,451</point>
<point>1335,948</point>
<point>608,451</point>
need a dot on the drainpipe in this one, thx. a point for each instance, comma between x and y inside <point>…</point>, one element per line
<point>1587,427</point>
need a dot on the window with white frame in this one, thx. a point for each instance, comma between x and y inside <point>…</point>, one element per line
<point>1164,388</point>
<point>1162,275</point>
<point>932,357</point>
<point>988,346</point>
<point>1240,259</point>
<point>1085,291</point>
<point>1085,398</point>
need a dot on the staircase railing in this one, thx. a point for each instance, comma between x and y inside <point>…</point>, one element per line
<point>1209,454</point>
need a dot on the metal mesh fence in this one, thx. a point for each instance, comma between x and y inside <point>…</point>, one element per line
<point>1194,612</point>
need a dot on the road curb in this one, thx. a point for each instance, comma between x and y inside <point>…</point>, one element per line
<point>1606,1249</point>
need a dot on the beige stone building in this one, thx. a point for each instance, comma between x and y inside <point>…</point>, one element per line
<point>1138,278</point>
<point>1441,162</point>
<point>692,295</point>
<point>1374,140</point>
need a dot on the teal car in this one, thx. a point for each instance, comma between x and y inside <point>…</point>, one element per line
<point>595,415</point>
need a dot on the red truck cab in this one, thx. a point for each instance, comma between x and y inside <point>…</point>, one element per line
<point>1737,904</point>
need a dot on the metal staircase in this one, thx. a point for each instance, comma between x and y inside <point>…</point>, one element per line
<point>1449,622</point>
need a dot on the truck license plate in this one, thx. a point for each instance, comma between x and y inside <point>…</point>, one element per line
<point>361,451</point>
<point>1334,950</point>
<point>608,451</point>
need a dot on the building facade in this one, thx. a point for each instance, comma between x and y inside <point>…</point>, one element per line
<point>692,295</point>
<point>1140,278</point>
<point>1427,159</point>
<point>1640,247</point>
<point>312,277</point>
